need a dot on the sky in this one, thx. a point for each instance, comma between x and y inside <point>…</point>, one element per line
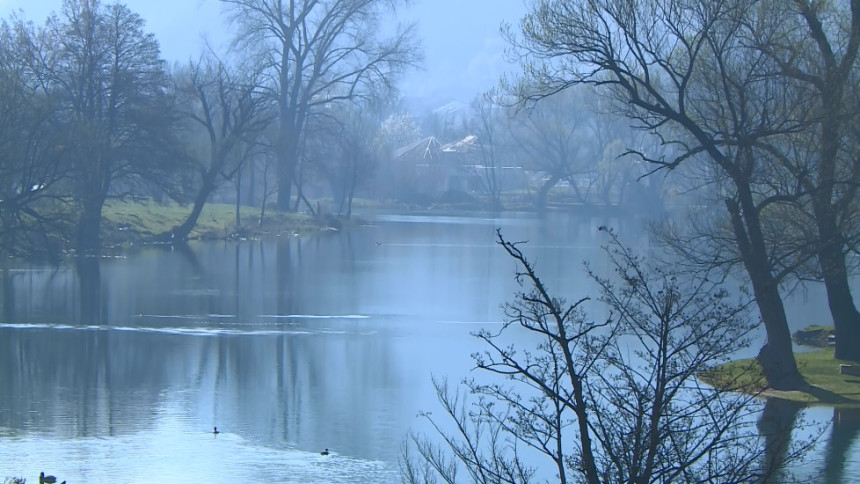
<point>464,53</point>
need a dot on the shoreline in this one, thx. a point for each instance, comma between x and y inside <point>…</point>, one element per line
<point>827,386</point>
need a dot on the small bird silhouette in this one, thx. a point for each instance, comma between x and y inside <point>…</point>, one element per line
<point>43,479</point>
<point>216,431</point>
<point>325,452</point>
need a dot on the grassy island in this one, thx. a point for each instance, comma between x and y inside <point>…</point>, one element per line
<point>827,386</point>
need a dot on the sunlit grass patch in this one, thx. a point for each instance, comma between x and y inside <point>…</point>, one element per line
<point>819,368</point>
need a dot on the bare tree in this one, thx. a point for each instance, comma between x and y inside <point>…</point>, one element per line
<point>342,150</point>
<point>682,71</point>
<point>816,47</point>
<point>396,131</point>
<point>551,136</point>
<point>608,400</point>
<point>488,123</point>
<point>226,106</point>
<point>320,52</point>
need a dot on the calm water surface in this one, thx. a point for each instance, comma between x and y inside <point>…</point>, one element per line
<point>116,370</point>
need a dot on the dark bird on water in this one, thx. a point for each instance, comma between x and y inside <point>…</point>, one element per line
<point>43,479</point>
<point>325,452</point>
<point>216,431</point>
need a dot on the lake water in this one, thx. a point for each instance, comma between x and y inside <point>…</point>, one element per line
<point>116,370</point>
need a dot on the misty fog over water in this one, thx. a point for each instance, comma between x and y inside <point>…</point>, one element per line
<point>246,240</point>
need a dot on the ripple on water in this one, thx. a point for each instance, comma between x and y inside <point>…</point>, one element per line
<point>207,328</point>
<point>163,457</point>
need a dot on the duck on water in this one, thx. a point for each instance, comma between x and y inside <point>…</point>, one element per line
<point>43,479</point>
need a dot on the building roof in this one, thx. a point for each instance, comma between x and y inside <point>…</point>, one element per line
<point>423,149</point>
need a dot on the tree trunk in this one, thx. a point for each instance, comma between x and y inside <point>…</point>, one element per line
<point>846,319</point>
<point>776,356</point>
<point>285,181</point>
<point>351,194</point>
<point>88,234</point>
<point>835,88</point>
<point>540,203</point>
<point>238,199</point>
<point>831,252</point>
<point>265,199</point>
<point>285,156</point>
<point>181,232</point>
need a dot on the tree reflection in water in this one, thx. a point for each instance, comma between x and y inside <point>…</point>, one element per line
<point>776,423</point>
<point>164,348</point>
<point>92,310</point>
<point>844,431</point>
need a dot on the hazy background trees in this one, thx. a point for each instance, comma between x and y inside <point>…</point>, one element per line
<point>320,52</point>
<point>750,107</point>
<point>343,150</point>
<point>305,98</point>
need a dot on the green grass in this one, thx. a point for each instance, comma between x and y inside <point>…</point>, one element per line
<point>819,368</point>
<point>132,221</point>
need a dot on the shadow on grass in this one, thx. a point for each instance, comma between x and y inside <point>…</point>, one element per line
<point>828,397</point>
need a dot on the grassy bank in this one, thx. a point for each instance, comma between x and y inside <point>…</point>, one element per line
<point>126,222</point>
<point>819,369</point>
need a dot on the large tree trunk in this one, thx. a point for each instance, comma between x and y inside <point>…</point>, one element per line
<point>835,86</point>
<point>831,252</point>
<point>88,233</point>
<point>181,232</point>
<point>288,129</point>
<point>776,356</point>
<point>543,193</point>
<point>285,181</point>
<point>846,319</point>
<point>238,199</point>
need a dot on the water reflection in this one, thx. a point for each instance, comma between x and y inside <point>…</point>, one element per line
<point>776,424</point>
<point>289,346</point>
<point>843,434</point>
<point>91,293</point>
<point>291,391</point>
